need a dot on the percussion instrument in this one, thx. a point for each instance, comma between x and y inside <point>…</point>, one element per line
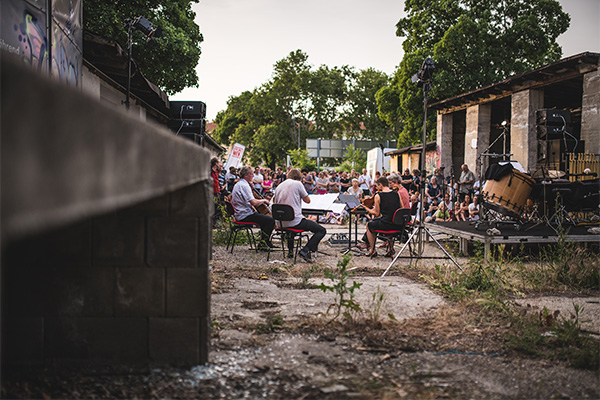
<point>509,194</point>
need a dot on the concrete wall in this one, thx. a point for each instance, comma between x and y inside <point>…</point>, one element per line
<point>523,135</point>
<point>105,225</point>
<point>444,138</point>
<point>477,136</point>
<point>131,285</point>
<point>590,112</point>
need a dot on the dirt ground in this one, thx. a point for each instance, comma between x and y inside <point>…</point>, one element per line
<point>274,338</point>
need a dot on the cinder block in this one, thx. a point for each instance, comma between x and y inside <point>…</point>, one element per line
<point>80,292</point>
<point>192,201</point>
<point>172,242</point>
<point>26,291</point>
<point>97,338</point>
<point>68,246</point>
<point>118,240</point>
<point>140,292</point>
<point>23,341</point>
<point>157,207</point>
<point>174,340</point>
<point>186,294</point>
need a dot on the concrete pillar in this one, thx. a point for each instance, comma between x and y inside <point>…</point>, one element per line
<point>523,136</point>
<point>477,134</point>
<point>590,115</point>
<point>444,138</point>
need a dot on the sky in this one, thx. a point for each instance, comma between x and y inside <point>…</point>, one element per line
<point>244,38</point>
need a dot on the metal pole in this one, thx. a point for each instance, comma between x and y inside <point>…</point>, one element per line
<point>129,28</point>
<point>423,172</point>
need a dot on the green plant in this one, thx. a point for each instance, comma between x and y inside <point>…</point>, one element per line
<point>546,335</point>
<point>272,324</point>
<point>377,303</point>
<point>222,227</point>
<point>344,294</point>
<point>305,276</point>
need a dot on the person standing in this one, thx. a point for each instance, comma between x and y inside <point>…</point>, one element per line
<point>364,182</point>
<point>231,177</point>
<point>345,182</point>
<point>293,193</point>
<point>243,202</point>
<point>307,181</point>
<point>257,179</point>
<point>466,181</point>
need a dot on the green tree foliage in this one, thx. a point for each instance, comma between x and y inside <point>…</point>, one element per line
<point>300,159</point>
<point>473,43</point>
<point>169,61</point>
<point>353,159</point>
<point>324,102</point>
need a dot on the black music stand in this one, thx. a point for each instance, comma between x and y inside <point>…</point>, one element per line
<point>352,204</point>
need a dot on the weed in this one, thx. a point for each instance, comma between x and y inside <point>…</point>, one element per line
<point>546,335</point>
<point>272,324</point>
<point>305,276</point>
<point>344,294</point>
<point>377,303</point>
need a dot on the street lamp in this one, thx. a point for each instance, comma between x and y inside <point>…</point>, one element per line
<point>146,27</point>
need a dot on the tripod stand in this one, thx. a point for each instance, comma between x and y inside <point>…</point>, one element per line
<point>423,77</point>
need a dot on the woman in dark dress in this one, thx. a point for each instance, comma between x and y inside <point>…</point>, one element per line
<point>386,203</point>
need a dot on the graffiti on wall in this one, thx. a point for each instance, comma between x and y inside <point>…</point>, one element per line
<point>24,31</point>
<point>433,159</point>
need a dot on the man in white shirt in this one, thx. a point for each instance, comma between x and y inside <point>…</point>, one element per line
<point>243,202</point>
<point>364,182</point>
<point>293,193</point>
<point>257,180</point>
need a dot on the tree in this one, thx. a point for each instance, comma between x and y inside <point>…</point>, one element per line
<point>301,101</point>
<point>473,43</point>
<point>353,159</point>
<point>362,111</point>
<point>168,61</point>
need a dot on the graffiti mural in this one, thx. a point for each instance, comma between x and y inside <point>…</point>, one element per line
<point>24,32</point>
<point>433,159</point>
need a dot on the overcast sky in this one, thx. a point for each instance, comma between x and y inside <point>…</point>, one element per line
<point>244,38</point>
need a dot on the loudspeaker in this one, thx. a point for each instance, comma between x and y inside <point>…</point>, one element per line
<point>549,132</point>
<point>187,125</point>
<point>549,116</point>
<point>187,109</point>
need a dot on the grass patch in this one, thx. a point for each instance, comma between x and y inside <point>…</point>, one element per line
<point>491,286</point>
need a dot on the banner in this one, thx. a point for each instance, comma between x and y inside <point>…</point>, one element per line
<point>235,157</point>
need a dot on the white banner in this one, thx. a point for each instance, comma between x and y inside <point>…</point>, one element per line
<point>235,158</point>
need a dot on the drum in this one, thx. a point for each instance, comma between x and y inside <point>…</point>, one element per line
<point>508,195</point>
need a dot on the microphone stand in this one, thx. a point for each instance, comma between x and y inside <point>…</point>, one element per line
<point>421,230</point>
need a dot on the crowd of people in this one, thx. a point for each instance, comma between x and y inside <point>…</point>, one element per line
<point>445,198</point>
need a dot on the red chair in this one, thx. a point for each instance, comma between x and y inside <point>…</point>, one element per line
<point>236,226</point>
<point>401,221</point>
<point>284,212</point>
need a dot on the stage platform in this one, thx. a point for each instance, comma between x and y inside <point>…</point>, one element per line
<point>528,233</point>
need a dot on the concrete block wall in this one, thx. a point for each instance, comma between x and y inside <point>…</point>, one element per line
<point>131,285</point>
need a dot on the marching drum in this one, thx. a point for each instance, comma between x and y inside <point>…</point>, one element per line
<point>509,194</point>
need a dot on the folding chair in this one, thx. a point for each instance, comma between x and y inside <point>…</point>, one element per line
<point>236,226</point>
<point>401,220</point>
<point>281,213</point>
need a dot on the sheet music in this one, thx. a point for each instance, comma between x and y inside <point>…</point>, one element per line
<point>320,201</point>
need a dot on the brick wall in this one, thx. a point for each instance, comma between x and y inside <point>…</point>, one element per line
<point>131,285</point>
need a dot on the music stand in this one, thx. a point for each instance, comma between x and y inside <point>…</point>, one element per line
<point>423,77</point>
<point>352,202</point>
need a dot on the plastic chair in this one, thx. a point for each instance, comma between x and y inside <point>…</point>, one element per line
<point>236,226</point>
<point>281,213</point>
